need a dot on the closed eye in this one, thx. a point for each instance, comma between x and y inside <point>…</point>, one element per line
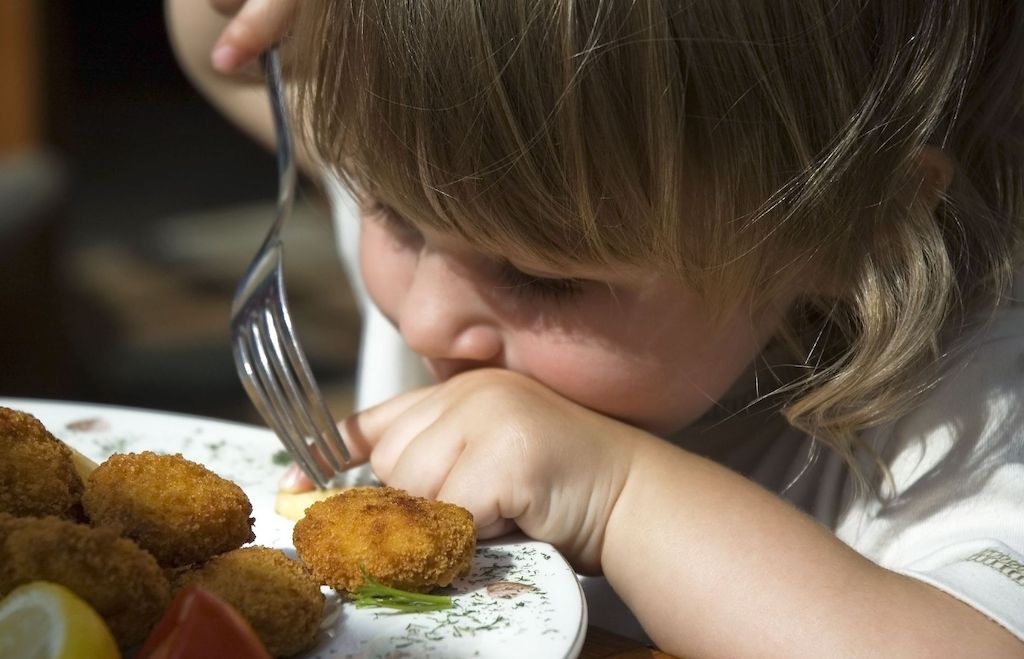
<point>401,230</point>
<point>510,278</point>
<point>539,288</point>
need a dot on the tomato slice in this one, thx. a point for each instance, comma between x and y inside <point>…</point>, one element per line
<point>198,624</point>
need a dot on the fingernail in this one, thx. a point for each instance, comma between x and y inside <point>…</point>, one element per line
<point>224,59</point>
<point>291,480</point>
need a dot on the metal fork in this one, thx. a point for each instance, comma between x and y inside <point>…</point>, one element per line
<point>269,359</point>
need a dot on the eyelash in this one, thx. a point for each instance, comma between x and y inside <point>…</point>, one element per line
<point>542,288</point>
<point>511,278</point>
<point>399,228</point>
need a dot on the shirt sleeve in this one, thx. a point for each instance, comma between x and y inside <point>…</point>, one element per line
<point>951,513</point>
<point>988,576</point>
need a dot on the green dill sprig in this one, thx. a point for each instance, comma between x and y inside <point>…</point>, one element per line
<point>375,594</point>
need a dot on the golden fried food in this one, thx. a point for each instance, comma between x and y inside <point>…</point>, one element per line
<point>117,578</point>
<point>176,509</point>
<point>37,475</point>
<point>400,540</point>
<point>276,595</point>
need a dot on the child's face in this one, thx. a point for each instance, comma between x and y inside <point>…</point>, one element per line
<point>633,345</point>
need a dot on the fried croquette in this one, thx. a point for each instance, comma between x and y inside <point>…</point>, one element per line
<point>401,541</point>
<point>176,509</point>
<point>37,474</point>
<point>276,595</point>
<point>117,578</point>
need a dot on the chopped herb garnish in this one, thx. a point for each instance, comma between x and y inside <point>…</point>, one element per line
<point>282,458</point>
<point>373,593</point>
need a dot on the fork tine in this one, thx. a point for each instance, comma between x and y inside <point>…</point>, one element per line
<point>299,403</point>
<point>252,380</point>
<point>273,398</point>
<point>327,436</point>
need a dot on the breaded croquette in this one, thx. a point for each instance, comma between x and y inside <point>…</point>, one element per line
<point>400,540</point>
<point>176,509</point>
<point>117,578</point>
<point>37,475</point>
<point>276,595</point>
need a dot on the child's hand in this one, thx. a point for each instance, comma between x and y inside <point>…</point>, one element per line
<point>256,26</point>
<point>509,450</point>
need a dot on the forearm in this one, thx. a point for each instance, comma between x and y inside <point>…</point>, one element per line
<point>713,565</point>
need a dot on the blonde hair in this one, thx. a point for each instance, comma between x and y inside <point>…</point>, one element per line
<point>745,145</point>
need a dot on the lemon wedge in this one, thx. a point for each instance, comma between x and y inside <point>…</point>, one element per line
<point>83,465</point>
<point>41,620</point>
<point>292,505</point>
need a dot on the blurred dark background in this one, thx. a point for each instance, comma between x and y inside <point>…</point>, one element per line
<point>128,210</point>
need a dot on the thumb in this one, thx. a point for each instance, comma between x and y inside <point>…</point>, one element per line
<point>258,25</point>
<point>295,480</point>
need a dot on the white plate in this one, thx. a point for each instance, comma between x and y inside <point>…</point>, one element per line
<point>521,598</point>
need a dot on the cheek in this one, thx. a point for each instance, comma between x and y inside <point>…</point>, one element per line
<point>387,268</point>
<point>648,393</point>
<point>659,378</point>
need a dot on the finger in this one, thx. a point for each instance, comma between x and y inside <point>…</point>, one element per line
<point>258,25</point>
<point>483,485</point>
<point>424,463</point>
<point>417,419</point>
<point>294,480</point>
<point>364,430</point>
<point>497,529</point>
<point>227,7</point>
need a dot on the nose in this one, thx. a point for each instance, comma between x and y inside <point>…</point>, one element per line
<point>443,317</point>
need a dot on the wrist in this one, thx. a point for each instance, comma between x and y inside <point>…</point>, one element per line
<point>625,509</point>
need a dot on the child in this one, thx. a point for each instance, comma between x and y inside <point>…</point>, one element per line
<point>717,295</point>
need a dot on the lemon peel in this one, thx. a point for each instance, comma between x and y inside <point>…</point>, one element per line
<point>43,620</point>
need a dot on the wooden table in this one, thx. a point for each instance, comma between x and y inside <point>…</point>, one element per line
<point>603,643</point>
<point>20,75</point>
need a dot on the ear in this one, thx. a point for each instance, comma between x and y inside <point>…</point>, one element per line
<point>936,171</point>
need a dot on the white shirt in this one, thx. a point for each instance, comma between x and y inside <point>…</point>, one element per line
<point>386,366</point>
<point>952,515</point>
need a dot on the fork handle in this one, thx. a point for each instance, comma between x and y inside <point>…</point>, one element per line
<point>285,155</point>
